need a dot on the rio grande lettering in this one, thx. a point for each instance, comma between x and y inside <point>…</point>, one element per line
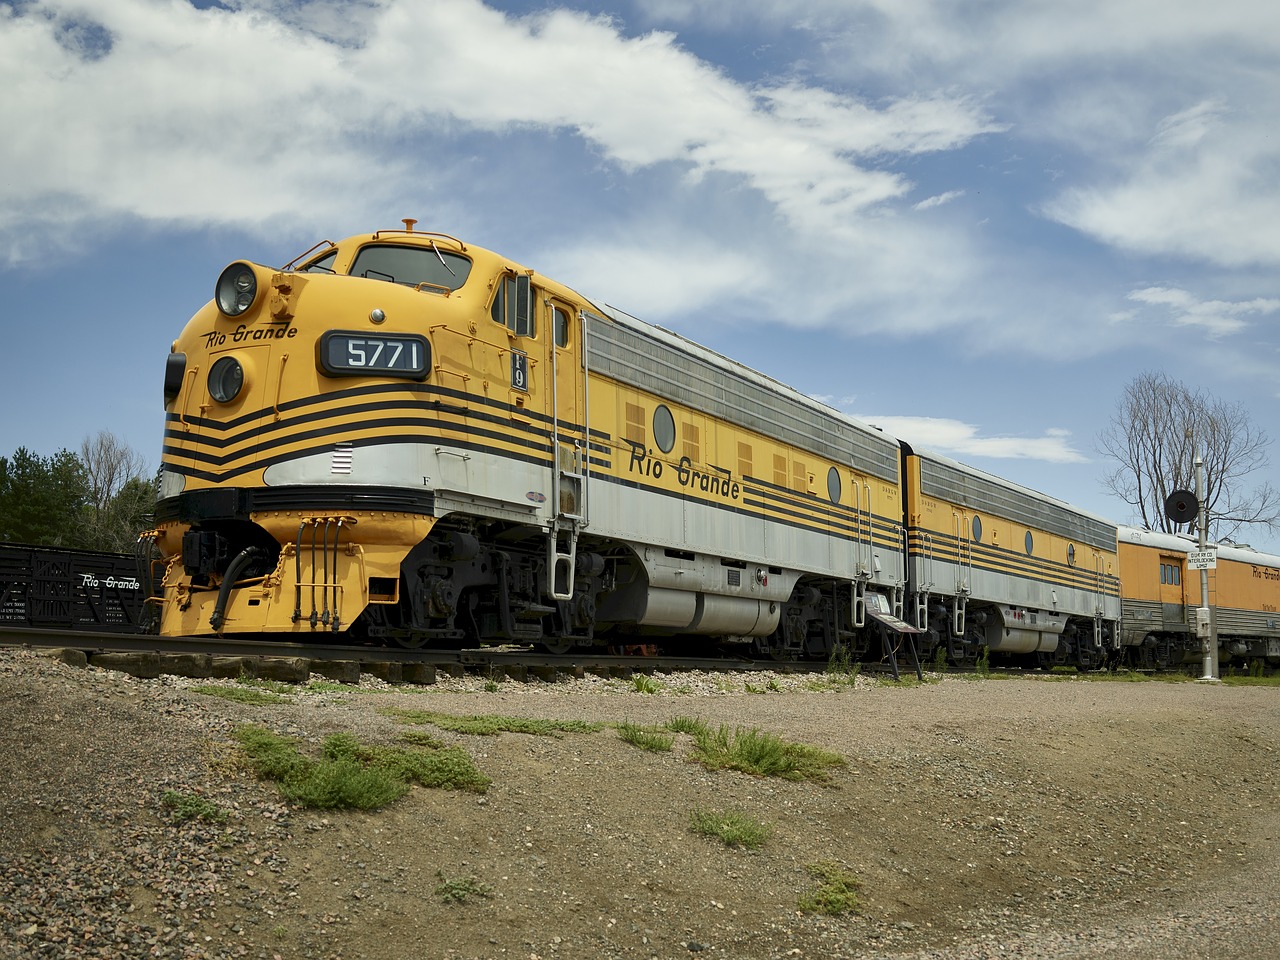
<point>718,484</point>
<point>123,583</point>
<point>1265,573</point>
<point>243,334</point>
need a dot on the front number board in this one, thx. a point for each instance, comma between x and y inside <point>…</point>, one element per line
<point>345,353</point>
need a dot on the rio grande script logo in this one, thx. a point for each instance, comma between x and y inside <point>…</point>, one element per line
<point>88,580</point>
<point>718,484</point>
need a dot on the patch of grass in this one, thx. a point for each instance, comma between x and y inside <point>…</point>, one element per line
<point>457,891</point>
<point>489,725</point>
<point>273,686</point>
<point>940,658</point>
<point>690,725</point>
<point>1120,676</point>
<point>189,806</point>
<point>841,667</point>
<point>643,683</point>
<point>1252,681</point>
<point>248,695</point>
<point>837,889</point>
<point>733,828</point>
<point>420,738</point>
<point>351,775</point>
<point>646,738</point>
<point>983,667</point>
<point>329,686</point>
<point>762,754</point>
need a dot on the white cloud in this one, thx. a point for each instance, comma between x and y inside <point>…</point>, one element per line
<point>948,436</point>
<point>939,199</point>
<point>1202,187</point>
<point>1218,318</point>
<point>229,116</point>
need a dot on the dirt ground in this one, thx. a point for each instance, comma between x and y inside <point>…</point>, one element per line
<point>974,813</point>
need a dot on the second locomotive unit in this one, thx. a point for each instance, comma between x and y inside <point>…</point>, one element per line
<point>404,438</point>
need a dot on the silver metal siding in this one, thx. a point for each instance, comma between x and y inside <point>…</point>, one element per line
<point>630,356</point>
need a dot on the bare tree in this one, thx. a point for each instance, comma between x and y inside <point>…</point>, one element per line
<point>120,496</point>
<point>1154,436</point>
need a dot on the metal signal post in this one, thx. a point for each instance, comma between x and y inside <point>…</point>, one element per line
<point>1204,613</point>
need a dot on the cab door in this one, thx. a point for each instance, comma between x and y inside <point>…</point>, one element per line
<point>567,407</point>
<point>567,390</point>
<point>1172,596</point>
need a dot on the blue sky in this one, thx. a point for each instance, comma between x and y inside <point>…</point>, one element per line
<point>969,222</point>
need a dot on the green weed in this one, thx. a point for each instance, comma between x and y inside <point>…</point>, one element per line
<point>690,725</point>
<point>646,738</point>
<point>188,806</point>
<point>733,828</point>
<point>248,695</point>
<point>643,683</point>
<point>763,754</point>
<point>457,891</point>
<point>837,889</point>
<point>351,775</point>
<point>491,724</point>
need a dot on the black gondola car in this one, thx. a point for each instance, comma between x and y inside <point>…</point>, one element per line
<point>61,589</point>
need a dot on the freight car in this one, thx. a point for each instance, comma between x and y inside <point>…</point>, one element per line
<point>60,589</point>
<point>404,438</point>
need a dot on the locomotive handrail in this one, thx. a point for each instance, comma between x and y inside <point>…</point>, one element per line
<point>421,233</point>
<point>305,253</point>
<point>188,393</point>
<point>279,384</point>
<point>427,285</point>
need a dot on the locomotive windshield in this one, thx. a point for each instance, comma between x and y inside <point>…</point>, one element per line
<point>411,265</point>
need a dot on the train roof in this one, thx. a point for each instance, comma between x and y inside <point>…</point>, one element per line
<point>1184,543</point>
<point>1010,485</point>
<point>734,367</point>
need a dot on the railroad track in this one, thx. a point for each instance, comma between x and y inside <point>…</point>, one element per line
<point>149,655</point>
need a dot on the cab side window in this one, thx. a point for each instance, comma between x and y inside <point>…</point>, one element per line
<point>560,320</point>
<point>513,306</point>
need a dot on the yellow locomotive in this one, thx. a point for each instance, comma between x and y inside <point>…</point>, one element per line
<point>405,438</point>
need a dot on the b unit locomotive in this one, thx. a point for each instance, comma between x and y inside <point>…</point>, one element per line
<point>404,438</point>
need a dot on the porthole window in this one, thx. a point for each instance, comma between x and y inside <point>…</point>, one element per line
<point>977,529</point>
<point>1071,554</point>
<point>1030,543</point>
<point>833,485</point>
<point>664,428</point>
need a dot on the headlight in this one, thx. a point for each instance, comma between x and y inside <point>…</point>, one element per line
<point>236,290</point>
<point>226,377</point>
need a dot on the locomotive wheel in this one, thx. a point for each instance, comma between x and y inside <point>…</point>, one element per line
<point>557,645</point>
<point>961,655</point>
